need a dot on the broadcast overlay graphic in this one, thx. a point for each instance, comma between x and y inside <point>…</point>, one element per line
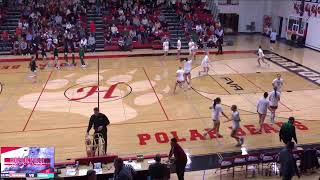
<point>33,162</point>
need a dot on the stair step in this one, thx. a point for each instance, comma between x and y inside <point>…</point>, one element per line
<point>13,13</point>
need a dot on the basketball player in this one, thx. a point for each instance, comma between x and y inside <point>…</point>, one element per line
<point>187,70</point>
<point>66,51</point>
<point>56,56</point>
<point>278,82</point>
<point>178,47</point>
<point>235,118</point>
<point>262,108</point>
<point>192,48</point>
<point>44,56</point>
<point>274,98</point>
<point>165,47</point>
<point>205,64</point>
<point>261,56</point>
<point>217,110</point>
<point>33,66</point>
<point>180,79</point>
<point>81,55</point>
<point>273,38</point>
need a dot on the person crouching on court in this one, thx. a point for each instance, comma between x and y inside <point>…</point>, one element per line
<point>180,158</point>
<point>99,121</point>
<point>288,131</point>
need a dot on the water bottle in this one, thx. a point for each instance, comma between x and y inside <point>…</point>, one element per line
<point>90,165</point>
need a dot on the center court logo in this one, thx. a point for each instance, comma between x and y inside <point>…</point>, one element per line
<point>89,94</point>
<point>122,96</point>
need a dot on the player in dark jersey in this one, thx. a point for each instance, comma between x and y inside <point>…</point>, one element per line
<point>33,66</point>
<point>56,56</point>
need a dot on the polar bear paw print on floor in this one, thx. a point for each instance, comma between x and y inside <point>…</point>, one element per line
<point>80,96</point>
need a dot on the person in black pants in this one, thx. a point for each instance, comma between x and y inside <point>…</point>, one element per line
<point>180,158</point>
<point>288,131</point>
<point>219,44</point>
<point>288,166</point>
<point>99,121</point>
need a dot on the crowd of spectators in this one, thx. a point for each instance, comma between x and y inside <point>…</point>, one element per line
<point>129,24</point>
<point>198,22</point>
<point>134,23</point>
<point>45,24</point>
<point>142,23</point>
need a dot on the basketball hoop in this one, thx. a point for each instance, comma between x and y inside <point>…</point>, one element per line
<point>94,145</point>
<point>293,26</point>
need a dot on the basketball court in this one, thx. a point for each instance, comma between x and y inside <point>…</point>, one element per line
<point>136,93</point>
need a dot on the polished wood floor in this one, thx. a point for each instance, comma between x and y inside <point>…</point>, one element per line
<point>136,93</point>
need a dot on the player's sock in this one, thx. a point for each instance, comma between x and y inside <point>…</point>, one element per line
<point>272,117</point>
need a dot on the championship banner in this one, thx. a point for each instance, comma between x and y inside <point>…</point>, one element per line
<point>34,162</point>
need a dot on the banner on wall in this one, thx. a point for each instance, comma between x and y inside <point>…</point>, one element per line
<point>267,21</point>
<point>33,162</point>
<point>310,8</point>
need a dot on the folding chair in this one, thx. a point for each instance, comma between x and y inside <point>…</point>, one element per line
<point>253,160</point>
<point>226,164</point>
<point>268,159</point>
<point>241,161</point>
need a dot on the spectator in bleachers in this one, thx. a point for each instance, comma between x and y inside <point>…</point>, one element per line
<point>92,43</point>
<point>98,7</point>
<point>145,22</point>
<point>24,47</point>
<point>107,38</point>
<point>288,166</point>
<point>58,19</point>
<point>136,21</point>
<point>16,47</point>
<point>29,37</point>
<point>128,43</point>
<point>114,30</point>
<point>121,43</point>
<point>199,29</point>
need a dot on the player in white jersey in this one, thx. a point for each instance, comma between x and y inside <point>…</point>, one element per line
<point>178,47</point>
<point>274,98</point>
<point>262,109</point>
<point>187,70</point>
<point>192,48</point>
<point>217,110</point>
<point>205,64</point>
<point>165,46</point>
<point>180,79</point>
<point>261,56</point>
<point>235,118</point>
<point>278,82</point>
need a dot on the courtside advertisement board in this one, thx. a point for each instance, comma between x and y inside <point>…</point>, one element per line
<point>32,162</point>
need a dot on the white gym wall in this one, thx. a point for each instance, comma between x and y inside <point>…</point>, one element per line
<point>313,35</point>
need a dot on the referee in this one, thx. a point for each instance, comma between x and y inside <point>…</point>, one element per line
<point>99,121</point>
<point>288,132</point>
